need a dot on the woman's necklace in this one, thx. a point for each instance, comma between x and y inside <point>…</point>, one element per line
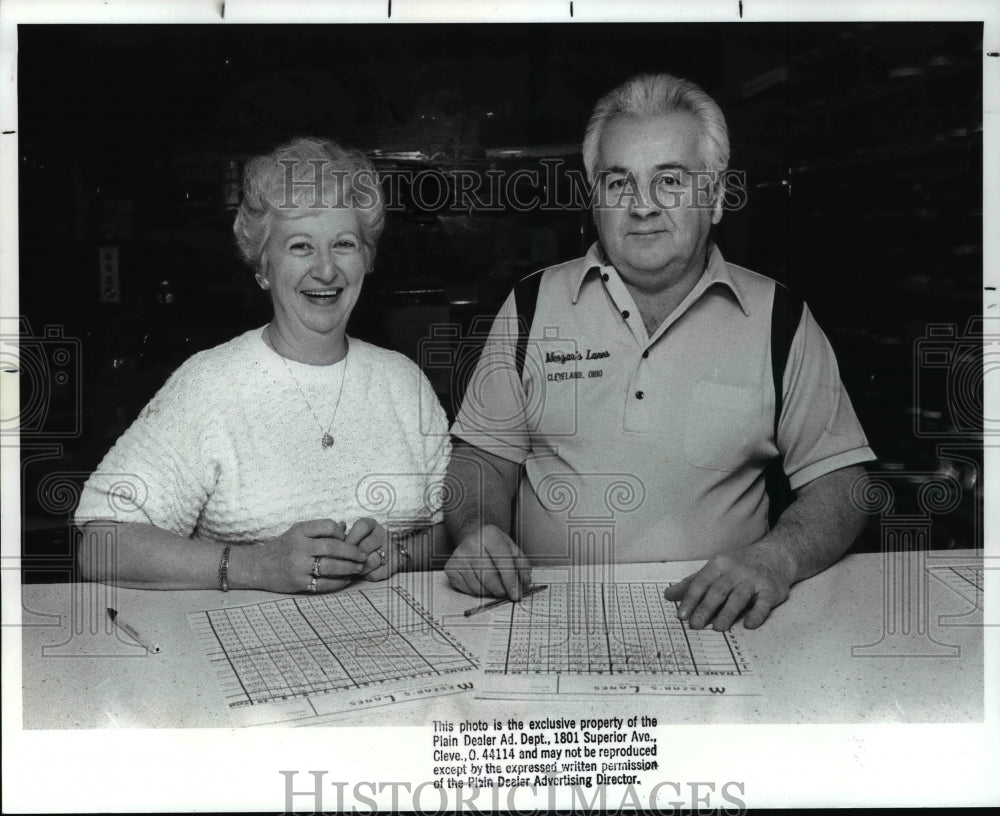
<point>327,440</point>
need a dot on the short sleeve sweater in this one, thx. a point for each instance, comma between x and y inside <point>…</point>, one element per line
<point>230,447</point>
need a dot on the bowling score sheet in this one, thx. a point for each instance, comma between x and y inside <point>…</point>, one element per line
<point>306,659</point>
<point>309,659</point>
<point>581,639</point>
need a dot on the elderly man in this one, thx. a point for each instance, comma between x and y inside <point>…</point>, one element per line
<point>635,419</point>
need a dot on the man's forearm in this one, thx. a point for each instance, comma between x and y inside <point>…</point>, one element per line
<point>421,548</point>
<point>487,484</point>
<point>819,526</point>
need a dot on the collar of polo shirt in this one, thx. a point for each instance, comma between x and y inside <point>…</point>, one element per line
<point>716,273</point>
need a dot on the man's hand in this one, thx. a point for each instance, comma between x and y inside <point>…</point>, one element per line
<point>488,562</point>
<point>752,576</point>
<point>810,535</point>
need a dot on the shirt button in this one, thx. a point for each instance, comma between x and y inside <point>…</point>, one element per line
<point>639,395</point>
<point>645,354</point>
<point>625,314</point>
<point>605,277</point>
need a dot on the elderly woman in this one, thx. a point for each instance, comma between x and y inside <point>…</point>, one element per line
<point>292,458</point>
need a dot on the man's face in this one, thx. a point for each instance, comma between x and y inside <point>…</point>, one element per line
<point>651,216</point>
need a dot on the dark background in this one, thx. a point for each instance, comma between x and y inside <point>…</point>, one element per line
<point>862,145</point>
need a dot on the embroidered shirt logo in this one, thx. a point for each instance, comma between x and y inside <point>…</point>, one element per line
<point>563,357</point>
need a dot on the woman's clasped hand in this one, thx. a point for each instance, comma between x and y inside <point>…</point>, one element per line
<point>322,555</point>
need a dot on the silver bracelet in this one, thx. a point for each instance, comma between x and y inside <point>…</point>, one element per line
<point>224,568</point>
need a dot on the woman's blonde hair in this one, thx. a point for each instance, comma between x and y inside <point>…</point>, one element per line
<point>306,172</point>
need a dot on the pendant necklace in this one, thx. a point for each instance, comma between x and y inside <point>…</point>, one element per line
<point>327,440</point>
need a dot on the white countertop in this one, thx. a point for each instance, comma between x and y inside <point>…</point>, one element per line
<point>842,649</point>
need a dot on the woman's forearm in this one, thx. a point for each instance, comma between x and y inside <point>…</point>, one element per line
<point>143,556</point>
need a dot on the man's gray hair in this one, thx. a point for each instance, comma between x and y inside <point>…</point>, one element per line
<point>656,95</point>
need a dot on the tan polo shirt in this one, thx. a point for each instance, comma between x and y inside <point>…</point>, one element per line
<point>639,448</point>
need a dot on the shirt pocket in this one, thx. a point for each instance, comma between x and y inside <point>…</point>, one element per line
<point>723,426</point>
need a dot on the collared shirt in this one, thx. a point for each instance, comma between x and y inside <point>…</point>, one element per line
<point>653,448</point>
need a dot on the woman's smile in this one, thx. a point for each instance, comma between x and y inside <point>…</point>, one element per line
<point>323,297</point>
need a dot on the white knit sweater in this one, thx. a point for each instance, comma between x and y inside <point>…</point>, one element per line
<point>228,449</point>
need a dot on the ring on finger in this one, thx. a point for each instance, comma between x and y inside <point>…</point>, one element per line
<point>312,585</point>
<point>381,557</point>
<point>315,570</point>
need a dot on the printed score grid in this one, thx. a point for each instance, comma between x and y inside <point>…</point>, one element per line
<point>302,647</point>
<point>967,581</point>
<point>583,638</point>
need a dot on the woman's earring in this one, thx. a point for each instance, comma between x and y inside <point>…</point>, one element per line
<point>263,282</point>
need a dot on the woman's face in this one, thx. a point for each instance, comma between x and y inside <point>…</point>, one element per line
<point>315,262</point>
